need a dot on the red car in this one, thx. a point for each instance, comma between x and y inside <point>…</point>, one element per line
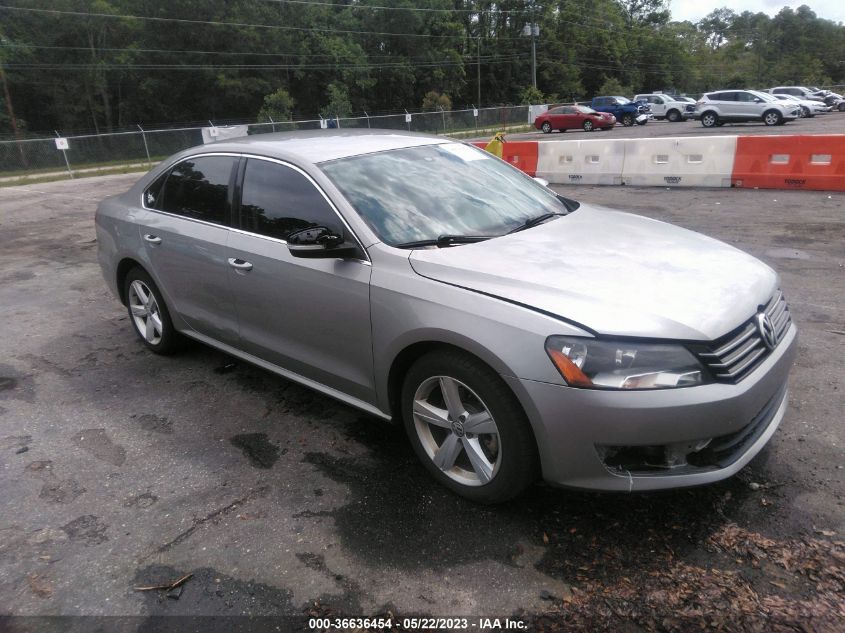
<point>571,117</point>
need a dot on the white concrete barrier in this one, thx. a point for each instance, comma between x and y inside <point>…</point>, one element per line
<point>596,162</point>
<point>702,161</point>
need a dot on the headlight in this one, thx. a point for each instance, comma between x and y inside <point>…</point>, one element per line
<point>599,364</point>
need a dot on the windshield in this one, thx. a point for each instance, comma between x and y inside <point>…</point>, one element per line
<point>622,100</point>
<point>422,193</point>
<point>585,110</point>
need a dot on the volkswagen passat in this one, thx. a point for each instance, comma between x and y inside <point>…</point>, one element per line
<point>514,332</point>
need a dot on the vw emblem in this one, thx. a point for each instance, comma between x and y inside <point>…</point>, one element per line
<point>766,329</point>
<point>458,428</point>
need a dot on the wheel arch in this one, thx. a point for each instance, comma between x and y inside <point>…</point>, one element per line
<point>411,352</point>
<point>123,267</point>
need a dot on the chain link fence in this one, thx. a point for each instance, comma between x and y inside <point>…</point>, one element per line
<point>136,149</point>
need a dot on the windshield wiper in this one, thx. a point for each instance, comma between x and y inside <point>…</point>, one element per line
<point>445,240</point>
<point>534,222</point>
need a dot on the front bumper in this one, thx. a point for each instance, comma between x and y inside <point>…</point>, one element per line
<point>573,425</point>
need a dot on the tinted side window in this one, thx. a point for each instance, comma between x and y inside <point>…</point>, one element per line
<point>277,200</point>
<point>556,111</point>
<point>198,188</point>
<point>567,110</point>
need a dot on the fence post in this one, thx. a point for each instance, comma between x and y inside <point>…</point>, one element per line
<point>408,119</point>
<point>146,149</point>
<point>337,120</point>
<point>368,118</point>
<point>272,122</point>
<point>443,116</point>
<point>64,153</point>
<point>475,116</point>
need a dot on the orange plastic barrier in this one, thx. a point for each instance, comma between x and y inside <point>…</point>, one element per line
<point>521,154</point>
<point>790,162</point>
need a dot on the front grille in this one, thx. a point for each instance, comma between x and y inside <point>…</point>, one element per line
<point>736,354</point>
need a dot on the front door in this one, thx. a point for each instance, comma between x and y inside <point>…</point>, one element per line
<point>309,316</point>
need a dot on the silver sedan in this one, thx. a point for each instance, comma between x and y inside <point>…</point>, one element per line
<point>515,333</point>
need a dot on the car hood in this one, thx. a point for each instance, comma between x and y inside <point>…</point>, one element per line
<point>612,273</point>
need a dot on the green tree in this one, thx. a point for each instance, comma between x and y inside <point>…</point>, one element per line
<point>278,106</point>
<point>338,102</point>
<point>433,101</point>
<point>531,96</point>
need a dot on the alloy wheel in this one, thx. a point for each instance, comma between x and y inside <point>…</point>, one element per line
<point>457,431</point>
<point>145,312</point>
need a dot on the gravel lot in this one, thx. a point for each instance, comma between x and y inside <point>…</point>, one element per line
<point>120,468</point>
<point>828,123</point>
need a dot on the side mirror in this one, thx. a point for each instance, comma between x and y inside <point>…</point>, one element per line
<point>758,100</point>
<point>319,242</point>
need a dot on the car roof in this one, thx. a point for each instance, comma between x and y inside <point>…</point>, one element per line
<point>318,146</point>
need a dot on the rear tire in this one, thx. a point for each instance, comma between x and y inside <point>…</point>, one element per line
<point>709,119</point>
<point>627,120</point>
<point>673,116</point>
<point>546,127</point>
<point>148,313</point>
<point>447,393</point>
<point>841,106</point>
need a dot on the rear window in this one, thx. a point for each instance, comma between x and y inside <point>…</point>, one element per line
<point>198,188</point>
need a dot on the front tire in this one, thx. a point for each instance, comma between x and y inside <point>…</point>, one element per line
<point>588,126</point>
<point>772,117</point>
<point>468,428</point>
<point>149,314</point>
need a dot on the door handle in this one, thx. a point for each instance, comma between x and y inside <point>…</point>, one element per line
<point>153,239</point>
<point>239,264</point>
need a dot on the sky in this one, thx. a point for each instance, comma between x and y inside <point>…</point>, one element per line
<point>694,10</point>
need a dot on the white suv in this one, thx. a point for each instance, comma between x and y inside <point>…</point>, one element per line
<point>731,106</point>
<point>665,107</point>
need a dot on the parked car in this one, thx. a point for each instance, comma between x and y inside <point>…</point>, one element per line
<point>688,101</point>
<point>665,107</point>
<point>834,100</point>
<point>801,92</point>
<point>513,332</point>
<point>626,111</point>
<point>724,106</point>
<point>573,117</point>
<point>808,108</point>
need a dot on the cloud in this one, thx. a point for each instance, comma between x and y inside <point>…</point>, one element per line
<point>694,10</point>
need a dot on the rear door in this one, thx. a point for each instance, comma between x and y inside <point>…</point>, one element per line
<point>309,316</point>
<point>185,229</point>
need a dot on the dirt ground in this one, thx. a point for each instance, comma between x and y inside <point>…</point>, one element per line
<point>121,469</point>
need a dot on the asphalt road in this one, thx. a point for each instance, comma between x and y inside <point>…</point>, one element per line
<point>119,468</point>
<point>828,123</point>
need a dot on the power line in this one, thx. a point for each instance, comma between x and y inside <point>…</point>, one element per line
<point>323,66</point>
<point>130,49</point>
<point>274,27</point>
<point>386,8</point>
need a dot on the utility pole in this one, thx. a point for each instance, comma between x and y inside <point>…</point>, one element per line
<point>11,112</point>
<point>533,30</point>
<point>478,68</point>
